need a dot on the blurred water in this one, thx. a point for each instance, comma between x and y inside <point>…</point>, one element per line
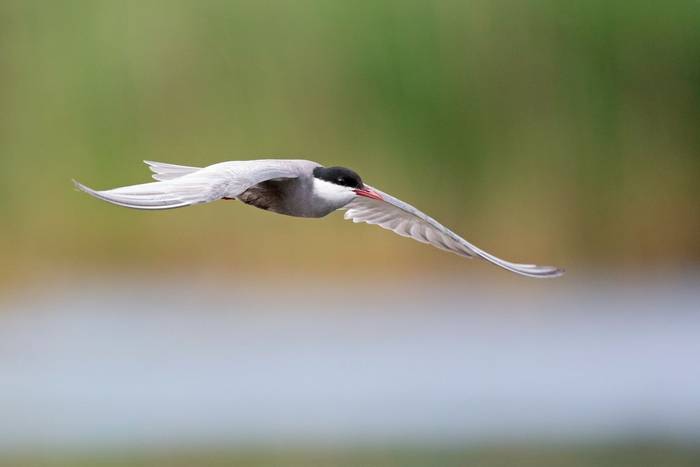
<point>114,362</point>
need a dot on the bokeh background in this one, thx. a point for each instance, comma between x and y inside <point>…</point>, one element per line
<point>544,131</point>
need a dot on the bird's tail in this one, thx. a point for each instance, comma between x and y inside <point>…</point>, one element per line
<point>162,171</point>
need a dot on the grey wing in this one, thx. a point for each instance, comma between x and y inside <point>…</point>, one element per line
<point>184,186</point>
<point>404,219</point>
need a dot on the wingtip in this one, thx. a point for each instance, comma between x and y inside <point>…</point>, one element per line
<point>554,272</point>
<point>80,187</point>
<point>538,272</point>
<point>77,185</point>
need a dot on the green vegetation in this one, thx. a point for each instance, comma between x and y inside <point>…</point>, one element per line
<point>602,456</point>
<point>544,130</point>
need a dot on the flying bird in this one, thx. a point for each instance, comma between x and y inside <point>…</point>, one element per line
<point>298,188</point>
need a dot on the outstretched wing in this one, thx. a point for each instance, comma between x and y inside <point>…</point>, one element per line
<point>184,186</point>
<point>402,218</point>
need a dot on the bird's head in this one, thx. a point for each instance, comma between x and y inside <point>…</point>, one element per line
<point>341,185</point>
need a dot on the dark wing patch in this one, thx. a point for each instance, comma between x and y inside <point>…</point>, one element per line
<point>265,195</point>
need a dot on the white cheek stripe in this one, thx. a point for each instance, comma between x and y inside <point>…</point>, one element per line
<point>331,192</point>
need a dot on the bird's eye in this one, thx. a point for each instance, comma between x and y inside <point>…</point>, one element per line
<point>341,180</point>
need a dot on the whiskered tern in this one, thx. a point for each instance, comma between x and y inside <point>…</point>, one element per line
<point>298,188</point>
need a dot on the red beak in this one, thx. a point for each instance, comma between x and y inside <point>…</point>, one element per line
<point>368,193</point>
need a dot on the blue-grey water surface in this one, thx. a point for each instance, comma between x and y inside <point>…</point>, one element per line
<point>119,362</point>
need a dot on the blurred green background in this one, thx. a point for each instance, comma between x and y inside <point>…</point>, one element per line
<point>556,132</point>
